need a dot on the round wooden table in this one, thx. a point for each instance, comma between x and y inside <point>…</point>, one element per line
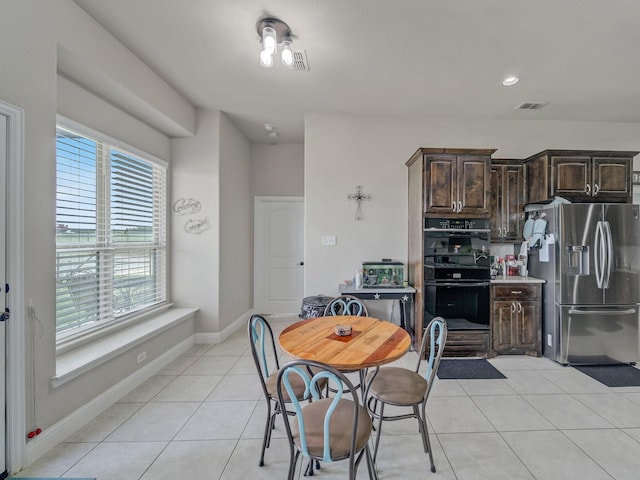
<point>372,342</point>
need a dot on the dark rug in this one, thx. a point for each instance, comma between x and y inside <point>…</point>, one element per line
<point>612,375</point>
<point>478,369</point>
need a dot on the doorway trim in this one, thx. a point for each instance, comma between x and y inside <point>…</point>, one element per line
<point>15,352</point>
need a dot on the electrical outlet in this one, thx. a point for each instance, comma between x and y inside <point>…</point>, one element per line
<point>329,240</point>
<point>549,340</point>
<point>142,357</point>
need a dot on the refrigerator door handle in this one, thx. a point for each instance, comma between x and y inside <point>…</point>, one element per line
<point>612,311</point>
<point>598,254</point>
<point>609,256</point>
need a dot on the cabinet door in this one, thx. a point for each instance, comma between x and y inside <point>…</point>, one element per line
<point>495,180</point>
<point>537,175</point>
<point>571,177</point>
<point>528,327</point>
<point>502,326</point>
<point>611,179</point>
<point>473,184</point>
<point>512,200</point>
<point>440,184</point>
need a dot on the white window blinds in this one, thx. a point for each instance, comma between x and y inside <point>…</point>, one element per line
<point>110,233</point>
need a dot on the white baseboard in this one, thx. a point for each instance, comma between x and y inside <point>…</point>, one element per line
<point>58,432</point>
<point>218,337</point>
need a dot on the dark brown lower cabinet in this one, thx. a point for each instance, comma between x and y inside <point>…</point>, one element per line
<point>516,319</point>
<point>467,343</point>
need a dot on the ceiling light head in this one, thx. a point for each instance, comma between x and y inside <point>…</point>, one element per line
<point>269,127</point>
<point>510,81</point>
<point>287,53</point>
<point>273,31</point>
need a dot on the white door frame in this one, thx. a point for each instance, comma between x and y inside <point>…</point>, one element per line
<point>15,361</point>
<point>259,200</point>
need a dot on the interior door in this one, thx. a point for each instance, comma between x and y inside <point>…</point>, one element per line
<point>3,282</point>
<point>278,283</point>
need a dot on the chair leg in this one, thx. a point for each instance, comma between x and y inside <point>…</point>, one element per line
<point>293,459</point>
<point>422,420</point>
<point>267,432</point>
<point>371,466</point>
<point>379,432</point>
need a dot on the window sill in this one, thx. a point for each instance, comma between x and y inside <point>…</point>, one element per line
<point>74,363</point>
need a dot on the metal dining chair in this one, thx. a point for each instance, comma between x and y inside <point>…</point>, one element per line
<point>265,357</point>
<point>336,427</point>
<point>346,305</point>
<point>402,387</point>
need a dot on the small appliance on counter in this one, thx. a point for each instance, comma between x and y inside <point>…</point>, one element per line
<point>380,274</point>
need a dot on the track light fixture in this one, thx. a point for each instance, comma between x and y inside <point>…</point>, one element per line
<point>274,32</point>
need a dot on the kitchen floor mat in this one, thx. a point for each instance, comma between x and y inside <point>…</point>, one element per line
<point>612,375</point>
<point>467,369</point>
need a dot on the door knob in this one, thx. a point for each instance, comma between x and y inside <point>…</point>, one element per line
<point>301,263</point>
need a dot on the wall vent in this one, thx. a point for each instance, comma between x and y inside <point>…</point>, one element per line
<point>300,61</point>
<point>531,105</point>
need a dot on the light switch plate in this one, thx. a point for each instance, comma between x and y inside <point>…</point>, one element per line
<point>329,240</point>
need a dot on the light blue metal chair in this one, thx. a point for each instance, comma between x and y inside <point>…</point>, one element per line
<point>402,387</point>
<point>346,305</point>
<point>326,429</point>
<point>265,357</point>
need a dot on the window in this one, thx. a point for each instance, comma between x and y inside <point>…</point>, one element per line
<point>110,232</point>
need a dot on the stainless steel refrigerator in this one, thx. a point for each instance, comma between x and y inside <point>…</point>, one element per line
<point>590,260</point>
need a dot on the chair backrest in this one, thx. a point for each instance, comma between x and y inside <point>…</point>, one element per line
<point>436,336</point>
<point>313,373</point>
<point>263,347</point>
<point>346,305</point>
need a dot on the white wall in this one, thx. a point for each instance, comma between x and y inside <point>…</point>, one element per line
<point>195,257</point>
<point>277,170</point>
<point>236,239</point>
<point>31,33</point>
<point>343,151</point>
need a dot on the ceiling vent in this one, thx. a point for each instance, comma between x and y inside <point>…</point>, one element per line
<point>531,105</point>
<point>300,61</point>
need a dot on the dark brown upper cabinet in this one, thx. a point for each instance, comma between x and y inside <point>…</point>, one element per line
<point>507,199</point>
<point>455,181</point>
<point>579,176</point>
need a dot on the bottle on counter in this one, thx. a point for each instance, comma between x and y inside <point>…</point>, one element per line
<point>357,279</point>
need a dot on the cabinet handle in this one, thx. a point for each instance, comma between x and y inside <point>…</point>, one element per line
<point>516,292</point>
<point>588,189</point>
<point>596,189</point>
<point>459,206</point>
<point>519,307</point>
<point>453,206</point>
<point>513,307</point>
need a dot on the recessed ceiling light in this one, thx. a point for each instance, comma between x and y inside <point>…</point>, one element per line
<point>509,81</point>
<point>269,127</point>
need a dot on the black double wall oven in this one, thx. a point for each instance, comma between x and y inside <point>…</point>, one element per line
<point>457,272</point>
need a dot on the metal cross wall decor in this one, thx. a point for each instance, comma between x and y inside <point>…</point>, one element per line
<point>358,197</point>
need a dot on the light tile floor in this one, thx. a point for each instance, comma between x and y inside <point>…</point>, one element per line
<point>203,416</point>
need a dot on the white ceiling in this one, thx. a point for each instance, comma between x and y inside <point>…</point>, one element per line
<point>432,58</point>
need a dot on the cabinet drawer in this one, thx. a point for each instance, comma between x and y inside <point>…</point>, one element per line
<point>516,291</point>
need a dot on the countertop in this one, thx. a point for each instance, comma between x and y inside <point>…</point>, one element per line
<point>516,279</point>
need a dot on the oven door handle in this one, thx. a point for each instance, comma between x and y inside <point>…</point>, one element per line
<point>459,284</point>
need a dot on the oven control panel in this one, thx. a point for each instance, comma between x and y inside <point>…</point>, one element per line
<point>456,224</point>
